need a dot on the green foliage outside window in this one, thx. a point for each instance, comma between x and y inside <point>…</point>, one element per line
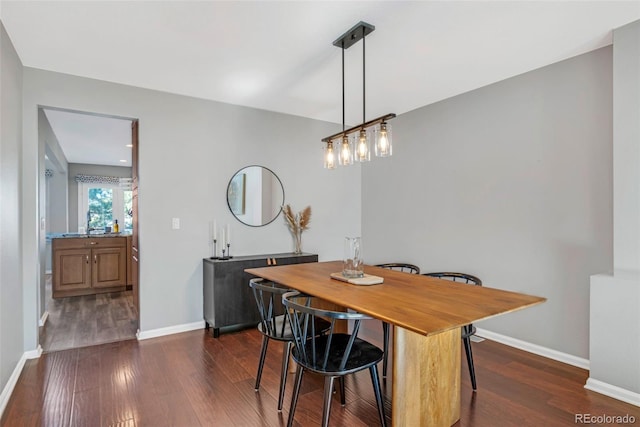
<point>100,208</point>
<point>128,210</point>
<point>101,215</point>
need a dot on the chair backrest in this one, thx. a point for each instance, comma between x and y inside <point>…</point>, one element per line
<point>320,352</point>
<point>401,266</point>
<point>268,297</point>
<point>457,277</point>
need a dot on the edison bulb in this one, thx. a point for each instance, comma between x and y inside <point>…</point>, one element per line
<point>329,157</point>
<point>383,141</point>
<point>346,154</point>
<point>363,147</point>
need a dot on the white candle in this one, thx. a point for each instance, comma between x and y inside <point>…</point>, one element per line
<point>224,243</point>
<point>215,228</point>
<point>228,234</point>
<point>212,232</point>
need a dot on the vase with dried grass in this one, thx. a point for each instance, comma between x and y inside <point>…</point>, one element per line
<point>297,224</point>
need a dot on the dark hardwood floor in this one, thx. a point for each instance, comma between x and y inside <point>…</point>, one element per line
<point>191,379</point>
<point>88,320</point>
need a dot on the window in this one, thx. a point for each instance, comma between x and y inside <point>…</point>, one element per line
<point>100,204</point>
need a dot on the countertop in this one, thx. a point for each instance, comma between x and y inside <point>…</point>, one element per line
<point>51,236</point>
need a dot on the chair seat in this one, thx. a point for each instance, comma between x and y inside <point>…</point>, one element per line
<point>281,335</point>
<point>286,335</point>
<point>363,354</point>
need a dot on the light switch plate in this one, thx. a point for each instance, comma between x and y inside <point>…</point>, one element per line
<point>175,223</point>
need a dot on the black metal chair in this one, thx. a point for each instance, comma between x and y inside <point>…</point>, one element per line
<point>468,330</point>
<point>273,326</point>
<point>398,266</point>
<point>333,355</point>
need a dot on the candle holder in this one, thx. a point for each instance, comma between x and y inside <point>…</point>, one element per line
<point>229,251</point>
<point>223,257</point>
<point>215,251</point>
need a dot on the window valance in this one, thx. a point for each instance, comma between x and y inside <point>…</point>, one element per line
<point>124,183</point>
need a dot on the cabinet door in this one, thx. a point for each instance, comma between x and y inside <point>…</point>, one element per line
<point>135,265</point>
<point>129,262</point>
<point>135,250</point>
<point>72,270</point>
<point>233,301</point>
<point>109,267</point>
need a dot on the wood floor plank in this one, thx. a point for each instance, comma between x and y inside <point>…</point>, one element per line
<point>88,369</point>
<point>28,395</point>
<point>58,396</point>
<point>117,403</point>
<point>168,410</point>
<point>208,408</point>
<point>85,411</point>
<point>192,379</point>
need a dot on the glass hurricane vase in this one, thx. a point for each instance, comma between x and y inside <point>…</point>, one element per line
<point>297,239</point>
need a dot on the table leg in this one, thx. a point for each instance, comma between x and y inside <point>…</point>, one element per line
<point>426,379</point>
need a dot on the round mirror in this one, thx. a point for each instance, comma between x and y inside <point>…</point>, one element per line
<point>255,196</point>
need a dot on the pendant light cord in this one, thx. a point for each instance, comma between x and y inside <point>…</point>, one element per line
<point>343,85</point>
<point>364,117</point>
<point>345,41</point>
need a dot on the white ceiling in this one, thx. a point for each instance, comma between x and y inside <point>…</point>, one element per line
<point>91,139</point>
<point>278,55</point>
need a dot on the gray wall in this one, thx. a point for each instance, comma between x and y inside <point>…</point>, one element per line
<point>11,307</point>
<point>56,196</point>
<point>511,182</point>
<point>626,134</point>
<point>189,149</point>
<point>614,350</point>
<point>100,170</point>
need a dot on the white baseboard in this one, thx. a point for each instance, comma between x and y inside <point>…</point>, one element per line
<point>613,391</point>
<point>44,318</point>
<point>13,379</point>
<point>153,333</point>
<point>34,354</point>
<point>535,349</point>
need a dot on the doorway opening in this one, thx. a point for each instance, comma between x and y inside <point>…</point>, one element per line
<point>89,289</point>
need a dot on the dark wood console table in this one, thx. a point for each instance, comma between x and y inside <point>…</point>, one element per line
<point>228,300</point>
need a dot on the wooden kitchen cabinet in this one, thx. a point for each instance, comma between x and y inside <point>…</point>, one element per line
<point>228,299</point>
<point>88,265</point>
<point>129,263</point>
<point>71,270</point>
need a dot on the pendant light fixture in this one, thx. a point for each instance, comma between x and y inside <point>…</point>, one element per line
<point>354,144</point>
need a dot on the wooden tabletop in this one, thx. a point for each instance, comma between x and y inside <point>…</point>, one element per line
<point>421,304</point>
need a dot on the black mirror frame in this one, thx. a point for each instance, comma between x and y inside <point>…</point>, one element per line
<point>229,204</point>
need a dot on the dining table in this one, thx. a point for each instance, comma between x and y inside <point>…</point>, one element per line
<point>427,314</point>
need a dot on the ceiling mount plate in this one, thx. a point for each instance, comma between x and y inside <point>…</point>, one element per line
<point>354,35</point>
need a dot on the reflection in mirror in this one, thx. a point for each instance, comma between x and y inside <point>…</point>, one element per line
<point>255,195</point>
